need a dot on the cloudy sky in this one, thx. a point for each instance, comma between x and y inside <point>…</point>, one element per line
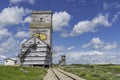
<point>86,31</point>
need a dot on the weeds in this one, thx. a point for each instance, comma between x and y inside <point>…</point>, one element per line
<point>95,72</point>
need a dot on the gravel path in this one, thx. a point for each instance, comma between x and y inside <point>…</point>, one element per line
<point>72,75</point>
<point>51,76</point>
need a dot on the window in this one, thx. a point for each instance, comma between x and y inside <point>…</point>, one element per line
<point>41,19</point>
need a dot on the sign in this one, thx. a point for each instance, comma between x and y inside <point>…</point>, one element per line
<point>41,36</point>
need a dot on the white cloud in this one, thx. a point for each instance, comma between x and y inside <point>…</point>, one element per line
<point>12,15</point>
<point>31,1</point>
<point>60,20</point>
<point>92,57</point>
<point>9,46</point>
<point>97,43</point>
<point>116,16</point>
<point>88,53</point>
<point>70,48</point>
<point>58,49</point>
<point>15,1</point>
<point>109,46</point>
<point>90,26</point>
<point>20,1</point>
<point>78,57</point>
<point>27,19</point>
<point>106,59</point>
<point>22,34</point>
<point>105,6</point>
<point>64,34</point>
<point>2,57</point>
<point>4,33</point>
<point>111,5</point>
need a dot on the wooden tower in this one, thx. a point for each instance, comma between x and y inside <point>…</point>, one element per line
<point>37,50</point>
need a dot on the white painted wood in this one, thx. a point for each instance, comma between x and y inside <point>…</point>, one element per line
<point>46,31</point>
<point>41,24</point>
<point>9,62</point>
<point>43,18</point>
<point>35,58</point>
<point>36,62</point>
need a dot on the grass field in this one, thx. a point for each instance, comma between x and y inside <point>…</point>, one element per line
<point>21,73</point>
<point>95,72</point>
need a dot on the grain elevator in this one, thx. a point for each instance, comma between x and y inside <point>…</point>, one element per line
<point>36,51</point>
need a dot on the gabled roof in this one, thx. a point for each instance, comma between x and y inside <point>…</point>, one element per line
<point>30,43</point>
<point>10,59</point>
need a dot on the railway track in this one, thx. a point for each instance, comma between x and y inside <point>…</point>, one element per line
<point>60,75</point>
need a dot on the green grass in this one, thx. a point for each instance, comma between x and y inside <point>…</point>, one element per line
<point>18,73</point>
<point>95,72</point>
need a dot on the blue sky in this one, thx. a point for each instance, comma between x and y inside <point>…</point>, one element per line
<point>86,31</point>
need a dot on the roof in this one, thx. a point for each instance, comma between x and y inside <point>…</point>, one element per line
<point>10,59</point>
<point>42,12</point>
<point>30,45</point>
